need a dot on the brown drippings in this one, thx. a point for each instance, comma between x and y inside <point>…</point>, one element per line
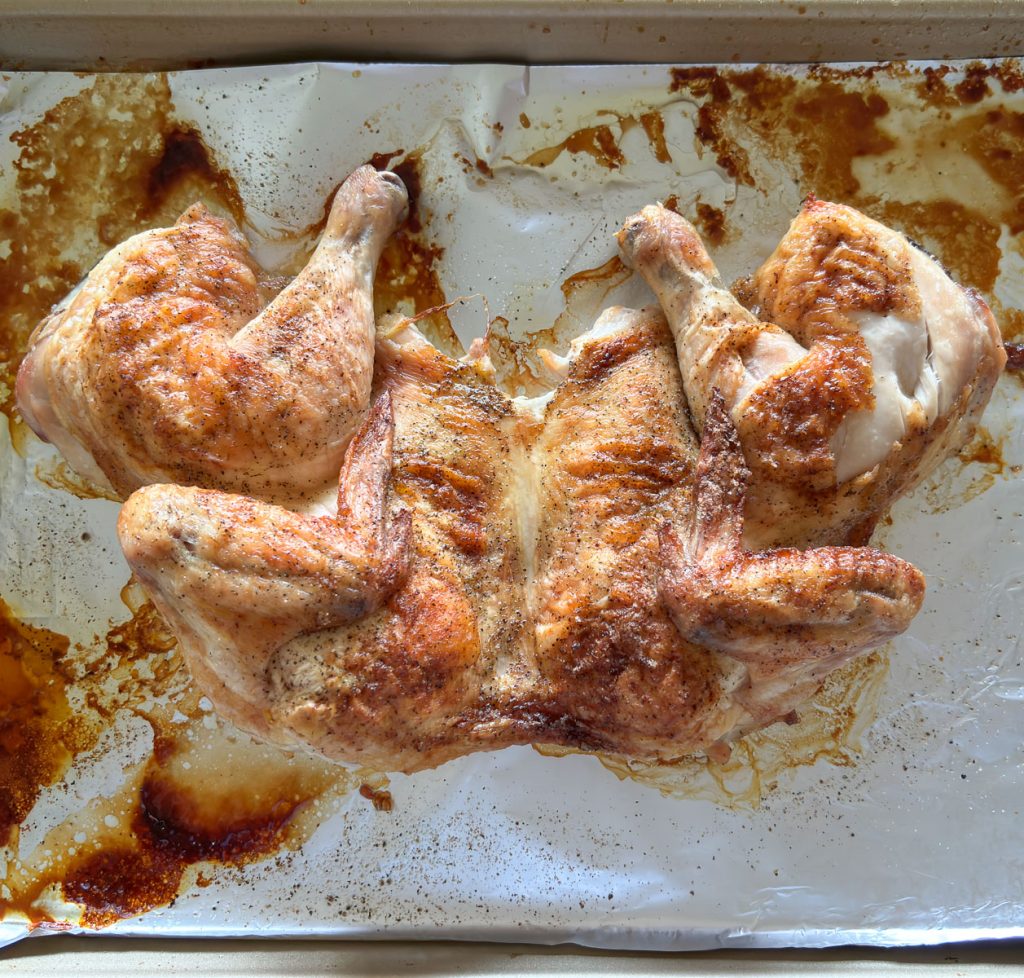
<point>974,86</point>
<point>968,474</point>
<point>818,126</point>
<point>710,86</point>
<point>711,222</point>
<point>195,799</point>
<point>380,797</point>
<point>382,161</point>
<point>598,142</point>
<point>1014,356</point>
<point>601,141</point>
<point>963,241</point>
<point>142,169</point>
<point>524,120</point>
<point>407,281</point>
<point>828,729</point>
<point>654,126</point>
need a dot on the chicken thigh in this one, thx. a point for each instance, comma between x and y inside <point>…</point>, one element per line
<point>870,367</point>
<point>175,362</point>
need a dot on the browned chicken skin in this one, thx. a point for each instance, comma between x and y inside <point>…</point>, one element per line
<point>175,363</point>
<point>548,597</point>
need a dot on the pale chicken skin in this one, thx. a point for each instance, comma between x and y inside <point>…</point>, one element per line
<point>869,367</point>
<point>550,587</point>
<point>176,362</point>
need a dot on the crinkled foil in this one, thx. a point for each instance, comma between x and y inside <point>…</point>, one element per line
<point>890,814</point>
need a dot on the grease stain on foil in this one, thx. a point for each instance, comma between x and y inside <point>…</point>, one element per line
<point>195,800</point>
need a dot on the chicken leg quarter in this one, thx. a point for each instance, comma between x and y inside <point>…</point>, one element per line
<point>872,366</point>
<point>174,362</point>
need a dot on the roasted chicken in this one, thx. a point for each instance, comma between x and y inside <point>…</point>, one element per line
<point>176,362</point>
<point>869,367</point>
<point>575,569</point>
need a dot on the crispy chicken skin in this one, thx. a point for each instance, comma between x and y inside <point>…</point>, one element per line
<point>175,362</point>
<point>550,589</point>
<point>868,368</point>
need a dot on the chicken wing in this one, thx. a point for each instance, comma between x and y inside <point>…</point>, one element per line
<point>872,368</point>
<point>174,362</point>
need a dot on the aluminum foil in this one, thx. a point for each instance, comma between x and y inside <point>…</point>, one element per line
<point>889,815</point>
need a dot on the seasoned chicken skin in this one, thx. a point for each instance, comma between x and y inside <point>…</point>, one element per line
<point>572,576</point>
<point>868,368</point>
<point>175,361</point>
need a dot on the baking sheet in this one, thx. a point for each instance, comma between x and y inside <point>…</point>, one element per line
<point>907,828</point>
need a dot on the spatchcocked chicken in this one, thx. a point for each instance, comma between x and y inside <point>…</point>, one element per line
<point>575,569</point>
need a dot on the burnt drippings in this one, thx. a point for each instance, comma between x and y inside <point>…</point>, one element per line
<point>185,157</point>
<point>821,126</point>
<point>142,169</point>
<point>1014,356</point>
<point>171,823</point>
<point>194,800</point>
